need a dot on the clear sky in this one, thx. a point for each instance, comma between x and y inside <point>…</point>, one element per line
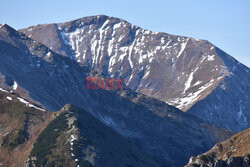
<point>225,23</point>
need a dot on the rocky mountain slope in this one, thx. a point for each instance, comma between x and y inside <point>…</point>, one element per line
<point>43,77</point>
<point>230,153</point>
<point>191,74</point>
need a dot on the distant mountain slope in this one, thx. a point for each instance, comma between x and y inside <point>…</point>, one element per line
<point>193,75</point>
<point>77,138</point>
<point>31,70</point>
<point>232,152</point>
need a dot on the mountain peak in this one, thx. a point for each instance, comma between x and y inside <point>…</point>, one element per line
<point>98,20</point>
<point>178,70</point>
<point>138,56</point>
<point>3,24</point>
<point>6,27</point>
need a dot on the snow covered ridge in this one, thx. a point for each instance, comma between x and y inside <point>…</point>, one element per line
<point>2,90</point>
<point>21,99</point>
<point>1,25</point>
<point>29,105</point>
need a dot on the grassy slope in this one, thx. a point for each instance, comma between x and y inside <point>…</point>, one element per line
<point>19,127</point>
<point>96,144</point>
<point>49,148</point>
<point>236,146</point>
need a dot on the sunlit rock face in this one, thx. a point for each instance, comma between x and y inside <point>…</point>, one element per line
<point>191,74</point>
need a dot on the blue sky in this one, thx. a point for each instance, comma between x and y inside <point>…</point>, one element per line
<point>225,23</point>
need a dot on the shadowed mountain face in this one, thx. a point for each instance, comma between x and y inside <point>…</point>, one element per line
<point>230,153</point>
<point>36,73</point>
<point>193,75</point>
<point>83,140</point>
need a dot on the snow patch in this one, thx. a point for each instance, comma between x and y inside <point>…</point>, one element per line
<point>147,32</point>
<point>14,86</point>
<point>2,90</point>
<point>111,63</point>
<point>130,52</point>
<point>9,98</point>
<point>162,40</point>
<point>124,50</point>
<point>183,46</point>
<point>49,54</point>
<point>1,25</point>
<point>172,61</point>
<point>182,103</point>
<point>117,25</point>
<point>22,100</point>
<point>189,80</point>
<point>110,46</point>
<point>203,58</point>
<point>197,83</point>
<point>28,104</point>
<point>32,106</point>
<point>104,24</point>
<point>146,74</point>
<point>73,138</point>
<point>130,78</point>
<point>122,57</point>
<point>142,58</point>
<point>210,57</point>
